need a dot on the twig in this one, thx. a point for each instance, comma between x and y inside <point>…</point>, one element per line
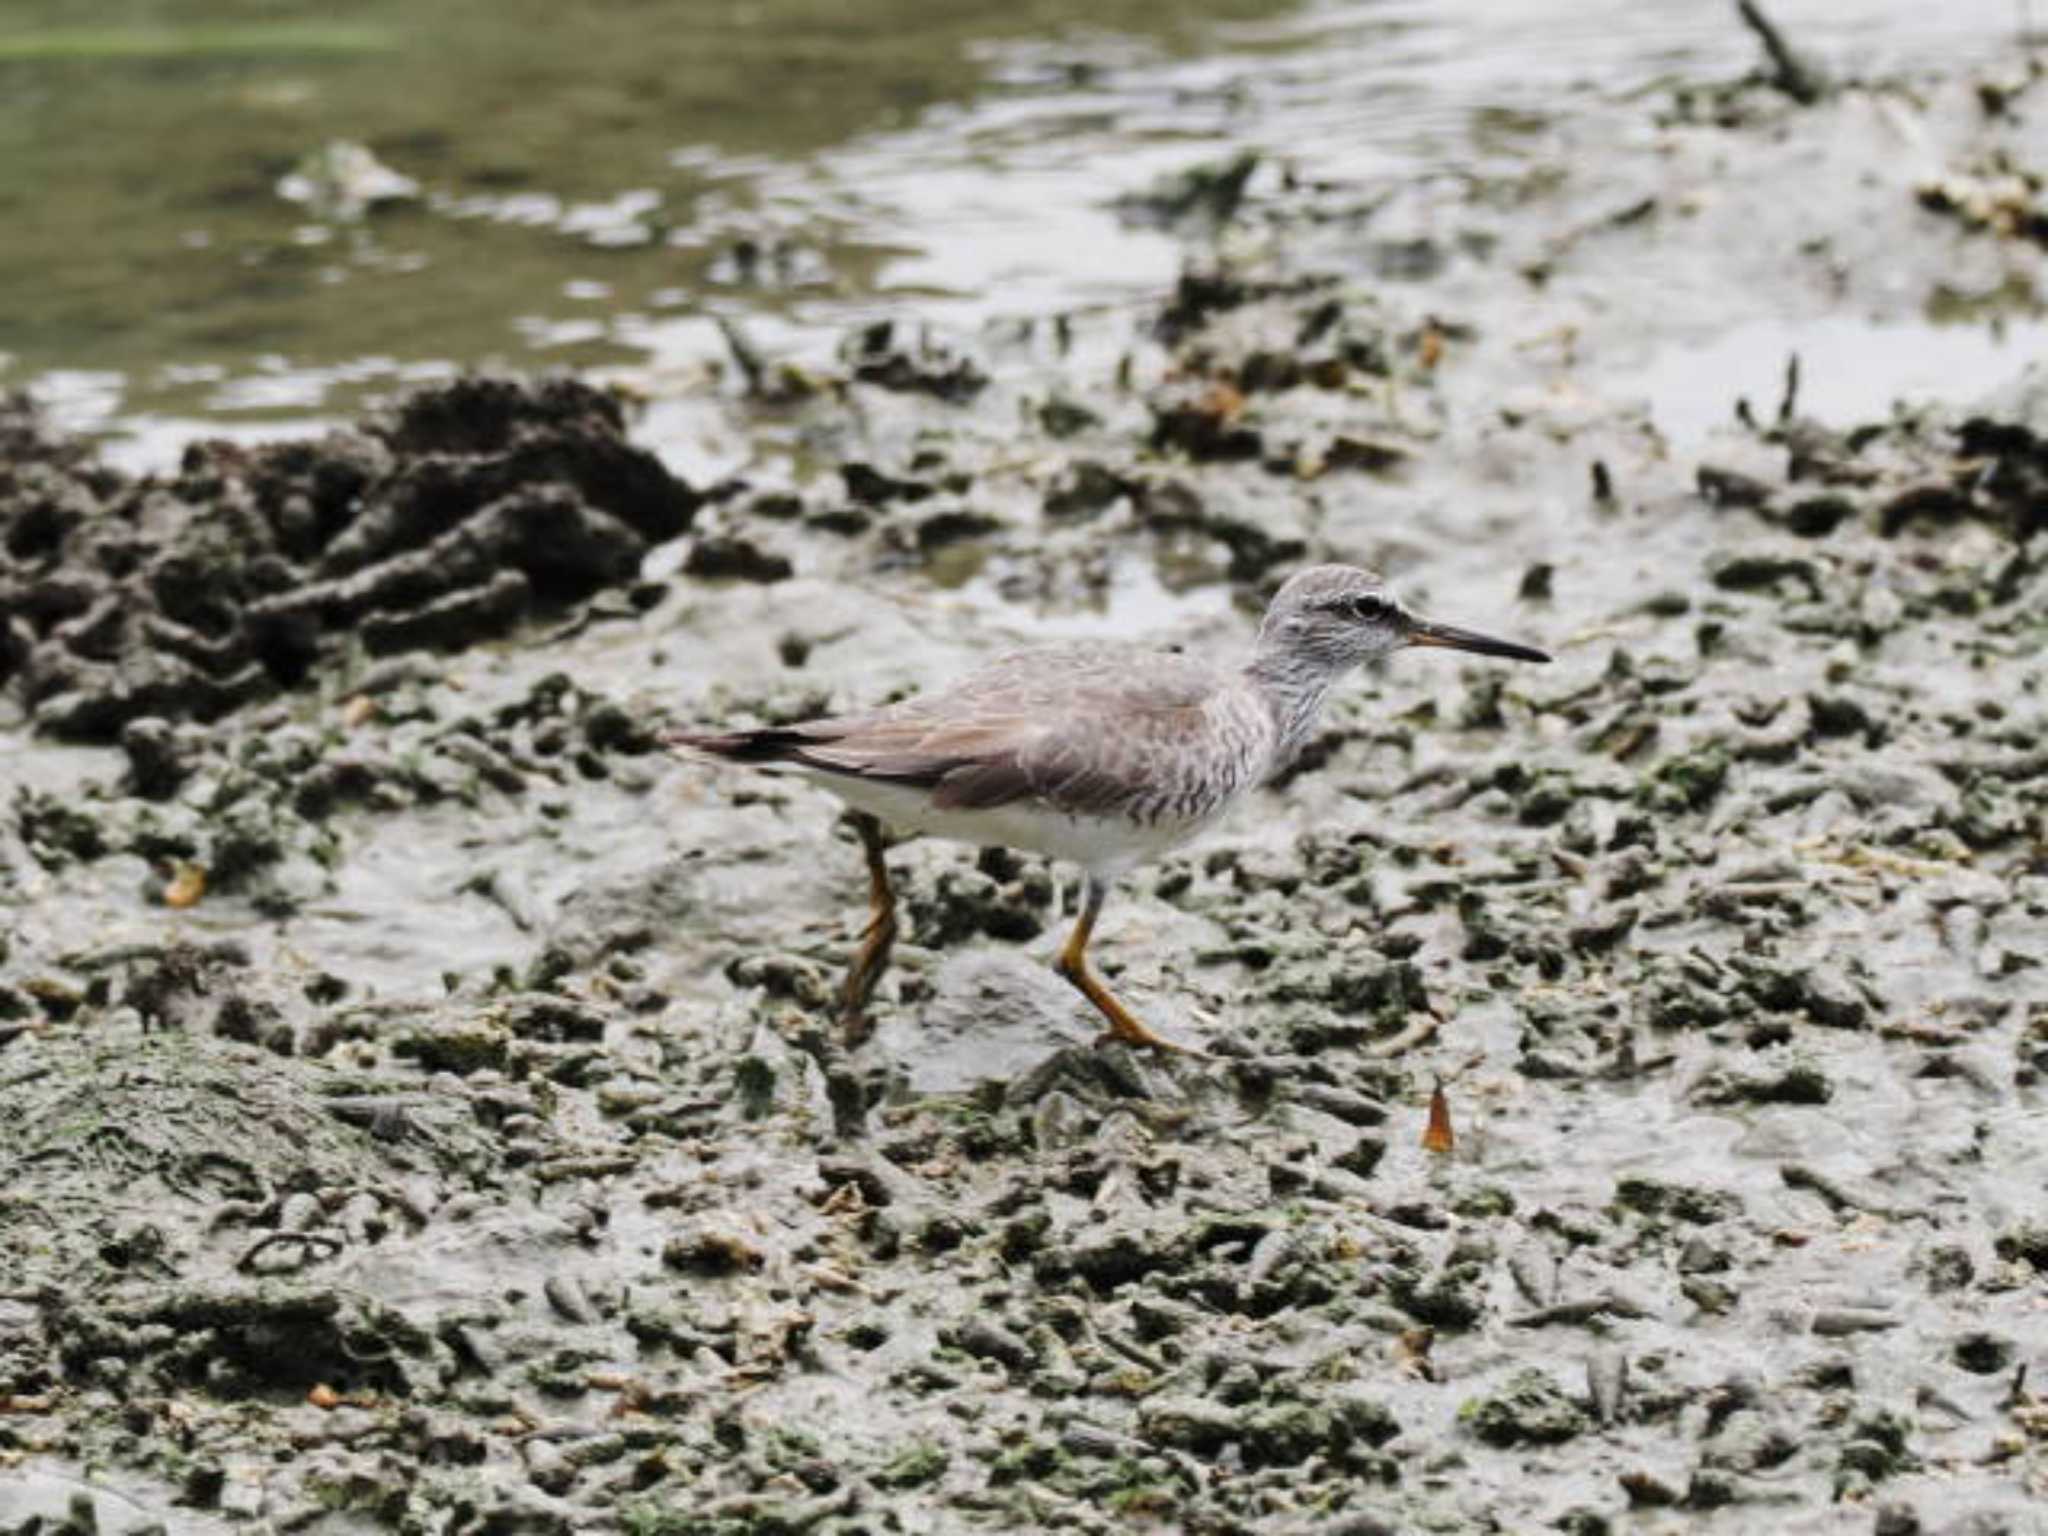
<point>753,367</point>
<point>1794,77</point>
<point>1421,1031</point>
<point>1790,401</point>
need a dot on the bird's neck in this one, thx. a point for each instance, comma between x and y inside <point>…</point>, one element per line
<point>1293,694</point>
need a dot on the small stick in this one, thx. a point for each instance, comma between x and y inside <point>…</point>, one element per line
<point>1790,402</point>
<point>753,367</point>
<point>1793,76</point>
<point>1421,1031</point>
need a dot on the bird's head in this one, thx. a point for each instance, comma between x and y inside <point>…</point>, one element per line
<point>1329,618</point>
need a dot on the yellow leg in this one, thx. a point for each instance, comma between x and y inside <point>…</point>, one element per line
<point>876,940</point>
<point>1073,965</point>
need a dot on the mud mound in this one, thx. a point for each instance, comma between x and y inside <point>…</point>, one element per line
<point>135,1161</point>
<point>469,507</point>
<point>184,1212</point>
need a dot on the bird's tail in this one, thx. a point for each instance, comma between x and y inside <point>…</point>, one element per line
<point>773,744</point>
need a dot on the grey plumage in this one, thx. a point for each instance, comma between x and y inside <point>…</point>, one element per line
<point>1089,730</point>
<point>1113,730</point>
<point>1102,754</point>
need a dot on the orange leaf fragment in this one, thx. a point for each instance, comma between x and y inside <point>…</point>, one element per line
<point>1438,1136</point>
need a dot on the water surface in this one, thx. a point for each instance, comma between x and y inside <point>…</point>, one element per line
<point>594,192</point>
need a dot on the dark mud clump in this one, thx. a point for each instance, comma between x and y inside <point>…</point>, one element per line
<point>256,808</point>
<point>185,597</point>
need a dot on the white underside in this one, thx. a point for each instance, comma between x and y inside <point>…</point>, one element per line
<point>1105,846</point>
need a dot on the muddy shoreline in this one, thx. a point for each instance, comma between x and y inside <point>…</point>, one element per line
<point>423,1109</point>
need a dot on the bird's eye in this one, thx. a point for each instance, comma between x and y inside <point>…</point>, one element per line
<point>1369,609</point>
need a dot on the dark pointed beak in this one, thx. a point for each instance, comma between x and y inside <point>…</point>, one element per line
<point>1450,637</point>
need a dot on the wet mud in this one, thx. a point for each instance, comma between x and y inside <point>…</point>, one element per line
<point>424,1108</point>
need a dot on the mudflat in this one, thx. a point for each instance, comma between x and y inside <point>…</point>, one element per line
<point>422,1105</point>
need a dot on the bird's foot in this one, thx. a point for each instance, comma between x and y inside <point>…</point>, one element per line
<point>1131,1032</point>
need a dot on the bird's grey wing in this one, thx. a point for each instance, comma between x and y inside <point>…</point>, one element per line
<point>1075,763</point>
<point>1071,765</point>
<point>1112,735</point>
<point>917,750</point>
<point>1074,727</point>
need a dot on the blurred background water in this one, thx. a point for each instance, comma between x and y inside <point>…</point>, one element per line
<point>183,246</point>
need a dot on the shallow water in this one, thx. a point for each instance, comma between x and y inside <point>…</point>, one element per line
<point>1850,369</point>
<point>593,199</point>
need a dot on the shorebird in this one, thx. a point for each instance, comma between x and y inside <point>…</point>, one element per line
<point>1101,755</point>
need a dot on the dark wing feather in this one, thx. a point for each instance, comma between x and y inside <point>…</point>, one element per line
<point>776,744</point>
